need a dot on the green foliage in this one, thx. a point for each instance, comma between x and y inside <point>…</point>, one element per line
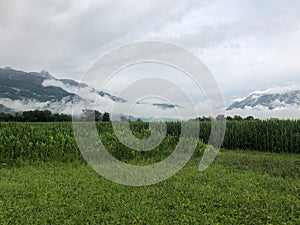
<point>44,179</point>
<point>251,134</point>
<point>32,142</point>
<point>35,116</point>
<point>238,188</point>
<point>268,135</point>
<point>105,117</point>
<point>47,142</point>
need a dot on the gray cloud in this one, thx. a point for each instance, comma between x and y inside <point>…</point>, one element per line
<point>248,44</point>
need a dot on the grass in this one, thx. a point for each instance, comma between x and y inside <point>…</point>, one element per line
<point>238,188</point>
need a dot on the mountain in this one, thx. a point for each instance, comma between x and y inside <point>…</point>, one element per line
<point>112,97</point>
<point>19,85</point>
<point>158,103</point>
<point>144,119</point>
<point>21,91</point>
<point>6,110</point>
<point>275,98</point>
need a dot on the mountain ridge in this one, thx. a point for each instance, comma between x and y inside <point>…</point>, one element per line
<point>40,91</point>
<point>22,91</point>
<point>272,99</point>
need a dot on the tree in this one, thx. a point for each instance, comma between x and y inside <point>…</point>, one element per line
<point>5,117</point>
<point>238,118</point>
<point>105,117</point>
<point>98,115</point>
<point>28,116</point>
<point>203,118</point>
<point>43,116</point>
<point>35,116</point>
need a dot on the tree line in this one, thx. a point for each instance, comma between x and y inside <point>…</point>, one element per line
<point>228,118</point>
<point>87,115</point>
<point>48,116</point>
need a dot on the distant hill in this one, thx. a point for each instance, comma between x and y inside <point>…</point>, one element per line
<point>21,91</point>
<point>19,85</point>
<point>276,98</point>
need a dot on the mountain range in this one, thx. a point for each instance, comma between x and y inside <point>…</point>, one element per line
<point>272,99</point>
<point>22,91</point>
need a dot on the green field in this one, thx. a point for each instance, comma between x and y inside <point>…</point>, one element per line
<point>44,180</point>
<point>239,188</point>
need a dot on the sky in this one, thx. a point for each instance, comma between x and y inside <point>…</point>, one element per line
<point>247,45</point>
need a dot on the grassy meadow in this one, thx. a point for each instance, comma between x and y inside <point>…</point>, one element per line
<point>44,180</point>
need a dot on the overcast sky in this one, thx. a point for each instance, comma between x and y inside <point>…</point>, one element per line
<point>247,44</point>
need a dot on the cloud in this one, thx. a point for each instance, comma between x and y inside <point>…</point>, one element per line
<point>144,107</point>
<point>85,92</point>
<point>278,90</point>
<point>265,113</point>
<point>63,106</point>
<point>248,45</point>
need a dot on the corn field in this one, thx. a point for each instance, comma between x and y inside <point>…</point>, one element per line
<point>47,142</point>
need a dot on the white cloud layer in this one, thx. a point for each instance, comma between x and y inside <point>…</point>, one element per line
<point>247,44</point>
<point>265,113</point>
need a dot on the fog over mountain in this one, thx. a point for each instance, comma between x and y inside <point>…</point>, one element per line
<point>277,102</point>
<point>22,91</point>
<point>247,45</point>
<point>273,99</point>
